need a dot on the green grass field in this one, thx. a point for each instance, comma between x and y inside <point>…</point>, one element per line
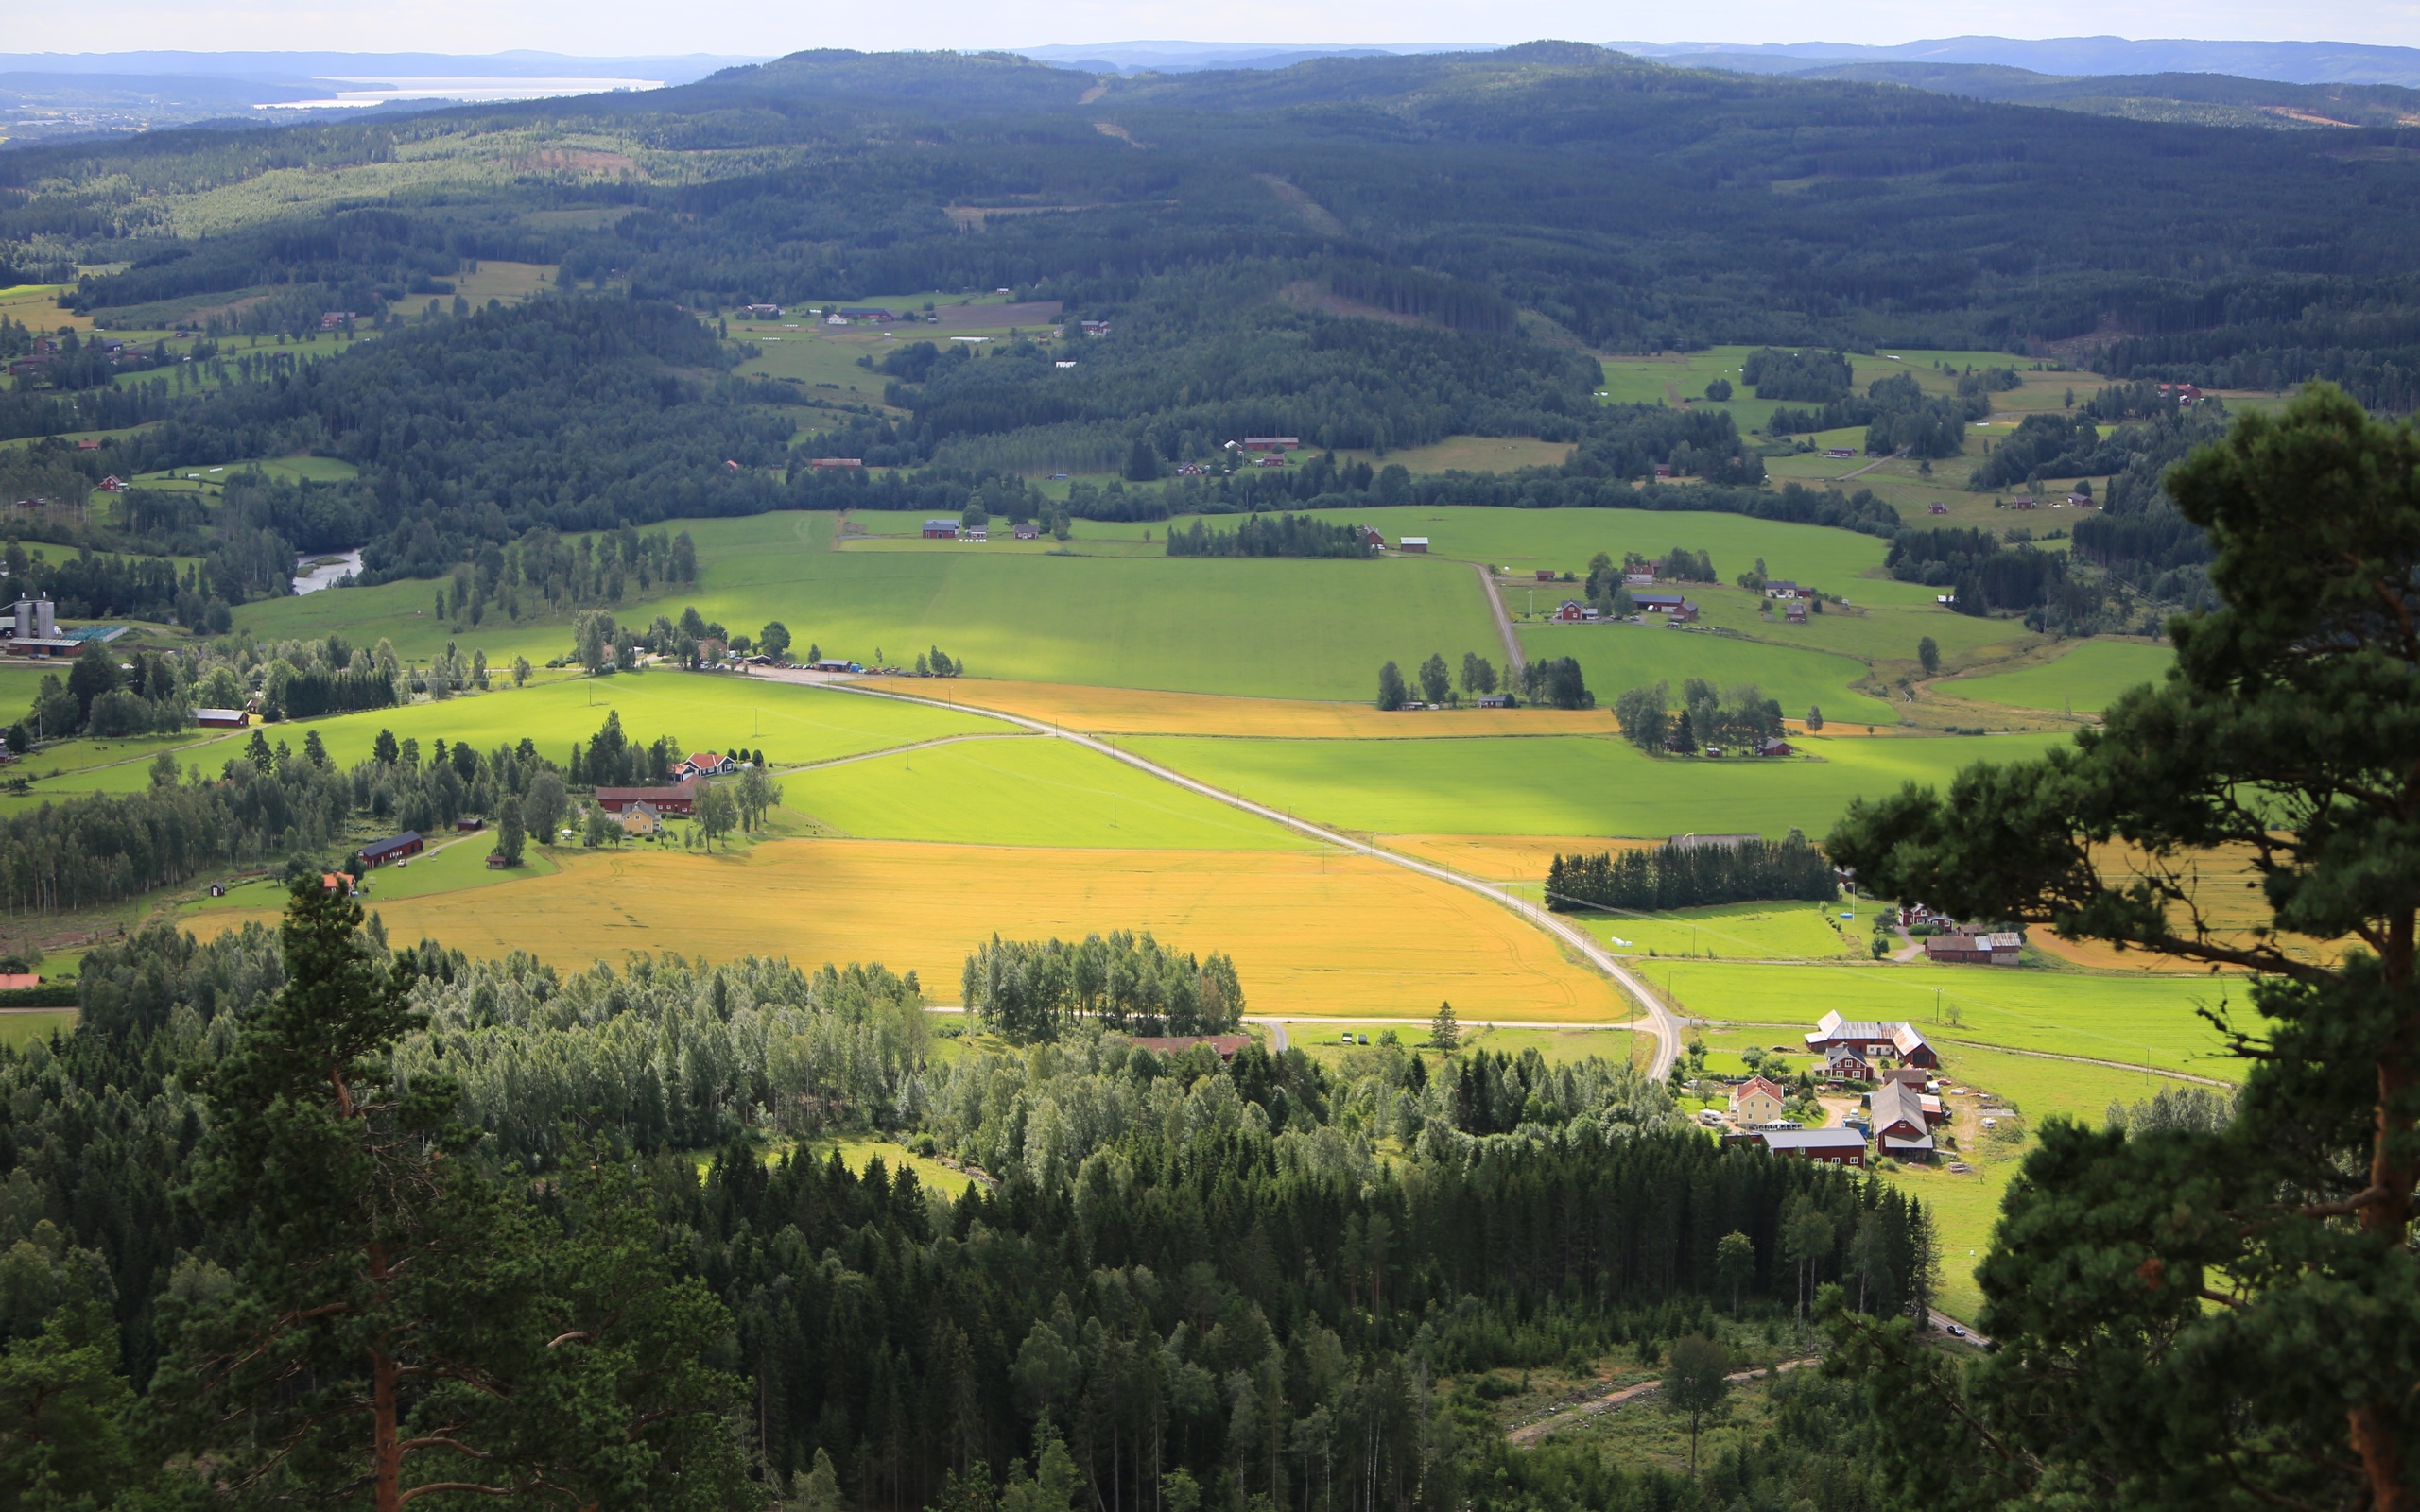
<point>1615,656</point>
<point>1031,791</point>
<point>2084,679</point>
<point>1311,630</point>
<point>2132,1020</point>
<point>791,724</point>
<point>21,1027</point>
<point>1770,931</point>
<point>1564,539</point>
<point>1567,785</point>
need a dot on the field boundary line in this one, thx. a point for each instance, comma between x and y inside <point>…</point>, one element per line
<point>1664,1025</point>
<point>913,744</point>
<point>1514,655</point>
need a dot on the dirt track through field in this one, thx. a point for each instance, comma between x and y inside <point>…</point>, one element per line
<point>1514,659</point>
<point>1661,1022</point>
<point>1530,1433</point>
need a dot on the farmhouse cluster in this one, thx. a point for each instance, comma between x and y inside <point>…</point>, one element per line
<point>1898,1113</point>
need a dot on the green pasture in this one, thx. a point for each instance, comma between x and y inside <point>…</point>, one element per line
<point>1762,931</point>
<point>2134,1020</point>
<point>1567,785</point>
<point>1870,632</point>
<point>790,723</point>
<point>1285,628</point>
<point>79,768</point>
<point>1522,540</point>
<point>1620,656</point>
<point>20,1028</point>
<point>816,360</point>
<point>1029,790</point>
<point>2086,678</point>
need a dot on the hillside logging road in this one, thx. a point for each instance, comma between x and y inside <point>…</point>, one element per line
<point>1660,1023</point>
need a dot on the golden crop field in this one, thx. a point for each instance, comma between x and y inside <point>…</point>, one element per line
<point>1145,711</point>
<point>1313,933</point>
<point>1503,857</point>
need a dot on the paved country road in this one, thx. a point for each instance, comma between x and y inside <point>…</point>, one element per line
<point>1661,1023</point>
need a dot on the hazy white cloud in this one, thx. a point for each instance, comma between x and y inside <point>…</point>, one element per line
<point>599,27</point>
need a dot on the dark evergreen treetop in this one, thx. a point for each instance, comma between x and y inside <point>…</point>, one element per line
<point>2232,1317</point>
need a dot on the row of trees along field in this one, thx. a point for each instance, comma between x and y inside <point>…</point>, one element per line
<point>273,802</point>
<point>1177,1280</point>
<point>1692,874</point>
<point>1554,681</point>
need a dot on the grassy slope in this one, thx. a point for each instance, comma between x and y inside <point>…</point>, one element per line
<point>2086,678</point>
<point>1570,785</point>
<point>1311,629</point>
<point>2127,1018</point>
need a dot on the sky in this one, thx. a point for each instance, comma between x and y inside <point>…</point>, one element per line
<point>769,28</point>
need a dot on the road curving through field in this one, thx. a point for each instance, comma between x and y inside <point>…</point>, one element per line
<point>1661,1022</point>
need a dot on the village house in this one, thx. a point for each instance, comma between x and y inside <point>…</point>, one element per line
<point>1756,1101</point>
<point>676,801</point>
<point>1372,536</point>
<point>1270,443</point>
<point>1546,574</point>
<point>1416,545</point>
<point>1095,328</point>
<point>1495,701</point>
<point>1784,588</point>
<point>1838,454</point>
<point>221,719</point>
<point>2080,500</point>
<point>705,764</point>
<point>1773,748</point>
<point>1898,1122</point>
<point>469,824</point>
<point>1569,609</point>
<point>378,852</point>
<point>641,818</point>
<point>1873,1041</point>
<point>1646,579</point>
<point>1028,530</point>
<point>1834,1147</point>
<point>941,530</point>
<point>1841,1063</point>
<point>979,533</point>
<point>1659,603</point>
<point>1686,614</point>
<point>1936,507</point>
<point>1795,613</point>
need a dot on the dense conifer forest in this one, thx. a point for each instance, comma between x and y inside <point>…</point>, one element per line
<point>1159,1278</point>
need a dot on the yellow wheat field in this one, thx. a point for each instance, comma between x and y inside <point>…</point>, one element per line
<point>1313,933</point>
<point>1142,711</point>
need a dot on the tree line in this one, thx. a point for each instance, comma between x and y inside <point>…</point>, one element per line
<point>1285,535</point>
<point>1694,875</point>
<point>1037,990</point>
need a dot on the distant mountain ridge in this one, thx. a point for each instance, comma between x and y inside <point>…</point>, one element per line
<point>2290,62</point>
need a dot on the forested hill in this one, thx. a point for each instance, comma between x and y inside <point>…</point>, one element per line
<point>1637,206</point>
